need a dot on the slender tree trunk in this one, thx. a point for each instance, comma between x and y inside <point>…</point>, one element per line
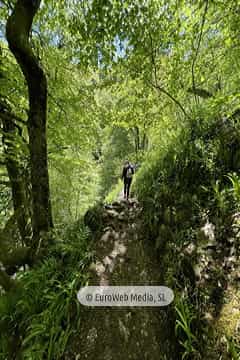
<point>136,140</point>
<point>143,142</point>
<point>17,181</point>
<point>18,29</point>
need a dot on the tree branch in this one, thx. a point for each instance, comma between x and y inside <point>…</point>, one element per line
<point>9,117</point>
<point>160,88</point>
<point>171,97</point>
<point>5,110</point>
<point>199,43</point>
<point>7,3</point>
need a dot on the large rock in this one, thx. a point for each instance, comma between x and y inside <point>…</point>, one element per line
<point>112,213</point>
<point>93,218</point>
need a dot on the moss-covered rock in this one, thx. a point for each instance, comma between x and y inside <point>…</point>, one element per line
<point>93,218</point>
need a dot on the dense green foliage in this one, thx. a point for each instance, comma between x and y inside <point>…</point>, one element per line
<point>45,311</point>
<point>192,181</point>
<point>155,82</point>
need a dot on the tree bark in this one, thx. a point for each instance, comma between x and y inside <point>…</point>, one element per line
<point>17,30</point>
<point>17,182</point>
<point>144,142</point>
<point>136,140</point>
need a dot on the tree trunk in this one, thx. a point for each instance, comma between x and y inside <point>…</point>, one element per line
<point>17,180</point>
<point>144,141</point>
<point>136,140</point>
<point>18,28</point>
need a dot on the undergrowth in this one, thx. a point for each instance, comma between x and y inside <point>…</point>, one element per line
<point>39,318</point>
<point>193,180</point>
<point>114,192</point>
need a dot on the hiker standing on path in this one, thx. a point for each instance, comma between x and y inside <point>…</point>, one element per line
<point>127,175</point>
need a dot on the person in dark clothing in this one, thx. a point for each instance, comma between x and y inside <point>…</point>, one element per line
<point>127,175</point>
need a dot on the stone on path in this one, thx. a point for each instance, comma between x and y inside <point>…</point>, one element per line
<point>116,333</point>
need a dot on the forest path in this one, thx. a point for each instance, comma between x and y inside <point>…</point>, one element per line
<point>122,258</point>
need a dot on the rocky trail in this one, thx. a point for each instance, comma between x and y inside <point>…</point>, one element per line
<point>123,258</point>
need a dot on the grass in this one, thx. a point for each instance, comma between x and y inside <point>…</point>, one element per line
<point>177,185</point>
<point>114,193</point>
<point>183,329</point>
<point>38,320</point>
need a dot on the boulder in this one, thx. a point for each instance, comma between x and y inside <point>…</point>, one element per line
<point>112,213</point>
<point>106,236</point>
<point>122,216</point>
<point>93,218</point>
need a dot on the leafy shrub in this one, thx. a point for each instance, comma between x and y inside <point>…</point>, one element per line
<point>93,218</point>
<point>193,177</point>
<point>114,193</point>
<point>43,313</point>
<point>183,329</point>
<point>178,181</point>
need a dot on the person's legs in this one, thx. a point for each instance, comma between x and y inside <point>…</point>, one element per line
<point>125,188</point>
<point>128,187</point>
